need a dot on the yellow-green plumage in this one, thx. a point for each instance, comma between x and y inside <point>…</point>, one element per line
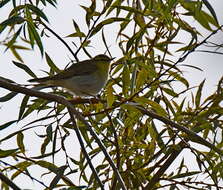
<point>84,78</point>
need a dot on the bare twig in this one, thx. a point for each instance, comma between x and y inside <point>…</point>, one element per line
<point>59,38</point>
<point>84,150</point>
<point>9,182</point>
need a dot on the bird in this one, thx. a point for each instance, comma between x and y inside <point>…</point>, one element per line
<point>84,78</point>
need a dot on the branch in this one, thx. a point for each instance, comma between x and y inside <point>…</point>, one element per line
<point>59,38</point>
<point>61,100</point>
<point>7,181</point>
<point>84,150</point>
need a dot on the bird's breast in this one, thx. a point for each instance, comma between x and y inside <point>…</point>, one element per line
<point>85,85</point>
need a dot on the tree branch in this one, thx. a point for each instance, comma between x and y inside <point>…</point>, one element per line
<point>84,150</point>
<point>7,181</point>
<point>59,38</point>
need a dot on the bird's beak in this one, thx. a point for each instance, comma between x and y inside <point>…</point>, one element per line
<point>112,58</point>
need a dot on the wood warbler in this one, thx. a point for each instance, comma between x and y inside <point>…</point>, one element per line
<point>85,78</point>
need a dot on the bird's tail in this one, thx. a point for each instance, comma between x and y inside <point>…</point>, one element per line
<point>39,80</point>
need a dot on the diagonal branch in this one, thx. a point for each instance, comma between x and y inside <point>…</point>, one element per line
<point>84,150</point>
<point>7,181</point>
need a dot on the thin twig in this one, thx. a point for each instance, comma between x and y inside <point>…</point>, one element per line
<point>84,150</point>
<point>59,38</point>
<point>9,182</point>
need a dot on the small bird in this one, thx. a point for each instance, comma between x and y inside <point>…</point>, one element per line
<point>85,78</point>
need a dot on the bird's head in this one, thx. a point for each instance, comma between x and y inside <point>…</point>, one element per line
<point>102,58</point>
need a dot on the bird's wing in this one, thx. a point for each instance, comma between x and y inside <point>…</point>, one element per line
<point>78,69</point>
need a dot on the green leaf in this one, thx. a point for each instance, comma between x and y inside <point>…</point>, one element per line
<point>49,132</point>
<point>192,66</point>
<point>6,153</point>
<point>51,167</point>
<point>23,106</point>
<point>16,54</point>
<point>57,177</point>
<point>157,107</point>
<point>110,95</point>
<point>154,133</point>
<point>20,138</point>
<point>198,94</point>
<point>45,155</point>
<point>90,12</point>
<point>113,6</point>
<point>44,145</point>
<point>135,38</point>
<point>12,21</point>
<point>106,22</point>
<point>37,11</point>
<point>22,166</point>
<point>76,26</point>
<point>170,92</point>
<point>76,34</point>
<point>126,80</point>
<point>8,124</point>
<point>179,78</point>
<point>35,106</point>
<point>187,174</point>
<point>15,133</point>
<point>36,36</point>
<point>8,96</point>
<point>201,18</point>
<point>2,28</point>
<point>210,8</point>
<point>51,64</point>
<point>3,2</point>
<point>12,41</point>
<point>24,68</point>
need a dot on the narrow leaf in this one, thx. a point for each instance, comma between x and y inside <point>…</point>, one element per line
<point>8,96</point>
<point>37,11</point>
<point>23,106</point>
<point>8,124</point>
<point>36,36</point>
<point>12,21</point>
<point>51,64</point>
<point>198,94</point>
<point>3,2</point>
<point>20,138</point>
<point>24,68</point>
<point>105,22</point>
<point>6,153</point>
<point>210,8</point>
<point>57,177</point>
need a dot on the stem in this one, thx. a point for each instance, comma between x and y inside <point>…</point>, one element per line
<point>84,150</point>
<point>7,181</point>
<point>59,38</point>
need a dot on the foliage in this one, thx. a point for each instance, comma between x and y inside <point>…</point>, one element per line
<point>144,122</point>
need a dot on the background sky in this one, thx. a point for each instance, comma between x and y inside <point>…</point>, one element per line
<point>61,22</point>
